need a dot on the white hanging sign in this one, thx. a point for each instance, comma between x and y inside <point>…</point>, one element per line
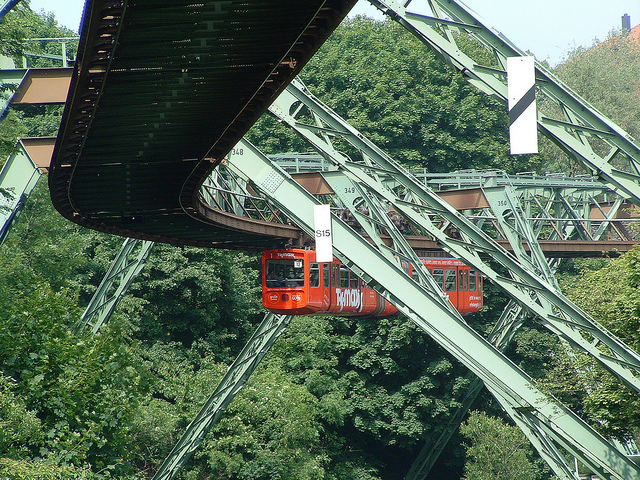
<point>322,231</point>
<point>521,91</point>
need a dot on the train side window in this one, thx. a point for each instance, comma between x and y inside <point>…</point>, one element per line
<point>480,284</point>
<point>353,280</point>
<point>463,279</point>
<point>314,275</point>
<point>450,280</point>
<point>344,277</point>
<point>438,276</point>
<point>326,271</point>
<point>472,281</point>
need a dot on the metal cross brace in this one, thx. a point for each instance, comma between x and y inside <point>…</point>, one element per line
<point>619,167</point>
<point>513,387</point>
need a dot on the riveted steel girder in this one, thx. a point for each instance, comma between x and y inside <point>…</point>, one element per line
<point>513,387</point>
<point>619,167</point>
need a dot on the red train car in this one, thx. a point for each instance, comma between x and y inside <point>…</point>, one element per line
<point>293,283</point>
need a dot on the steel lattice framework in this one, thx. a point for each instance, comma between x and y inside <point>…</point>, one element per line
<point>145,182</point>
<point>579,124</point>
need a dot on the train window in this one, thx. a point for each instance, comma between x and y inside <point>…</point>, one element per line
<point>353,280</point>
<point>285,272</point>
<point>325,275</point>
<point>472,280</point>
<point>438,276</point>
<point>344,276</point>
<point>314,275</point>
<point>450,280</point>
<point>463,279</point>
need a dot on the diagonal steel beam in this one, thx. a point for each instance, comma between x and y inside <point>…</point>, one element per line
<point>123,270</point>
<point>619,167</point>
<point>239,371</point>
<point>446,327</point>
<point>422,206</point>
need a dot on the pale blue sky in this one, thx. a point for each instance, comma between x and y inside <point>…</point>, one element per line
<point>548,28</point>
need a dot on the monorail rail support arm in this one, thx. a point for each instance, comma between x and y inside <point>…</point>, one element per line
<point>569,133</point>
<point>420,202</point>
<point>444,326</point>
<point>18,177</point>
<point>115,284</point>
<point>261,341</point>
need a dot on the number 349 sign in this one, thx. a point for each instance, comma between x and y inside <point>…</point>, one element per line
<point>322,230</point>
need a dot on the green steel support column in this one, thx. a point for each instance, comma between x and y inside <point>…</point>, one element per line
<point>5,6</point>
<point>506,207</point>
<point>513,386</point>
<point>571,133</point>
<point>240,370</point>
<point>9,80</point>
<point>420,205</point>
<point>18,178</point>
<point>115,284</point>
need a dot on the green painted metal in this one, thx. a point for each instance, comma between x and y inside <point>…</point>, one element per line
<point>432,216</point>
<point>10,79</point>
<point>580,123</point>
<point>6,6</point>
<point>128,263</point>
<point>317,135</point>
<point>18,178</point>
<point>256,348</point>
<point>512,387</point>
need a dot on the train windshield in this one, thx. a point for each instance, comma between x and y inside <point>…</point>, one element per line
<point>284,272</point>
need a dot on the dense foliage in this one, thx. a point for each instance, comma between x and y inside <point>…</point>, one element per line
<point>336,398</point>
<point>404,99</point>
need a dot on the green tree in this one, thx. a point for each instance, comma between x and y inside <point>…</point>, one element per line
<point>199,295</point>
<point>82,392</point>
<point>605,75</point>
<point>405,100</point>
<point>496,451</point>
<point>611,295</point>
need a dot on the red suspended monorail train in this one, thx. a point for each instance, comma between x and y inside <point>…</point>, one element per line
<point>293,283</point>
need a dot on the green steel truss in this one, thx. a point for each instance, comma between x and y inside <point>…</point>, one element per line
<point>550,426</point>
<point>129,261</point>
<point>578,124</point>
<point>432,217</point>
<point>18,177</point>
<point>232,382</point>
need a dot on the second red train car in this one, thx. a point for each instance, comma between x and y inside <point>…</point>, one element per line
<point>293,283</point>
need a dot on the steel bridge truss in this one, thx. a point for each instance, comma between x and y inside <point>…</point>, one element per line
<point>586,135</point>
<point>549,425</point>
<point>236,193</point>
<point>376,192</point>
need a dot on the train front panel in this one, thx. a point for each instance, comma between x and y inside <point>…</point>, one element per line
<point>285,282</point>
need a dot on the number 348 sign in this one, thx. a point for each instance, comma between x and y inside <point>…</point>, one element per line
<point>322,230</point>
